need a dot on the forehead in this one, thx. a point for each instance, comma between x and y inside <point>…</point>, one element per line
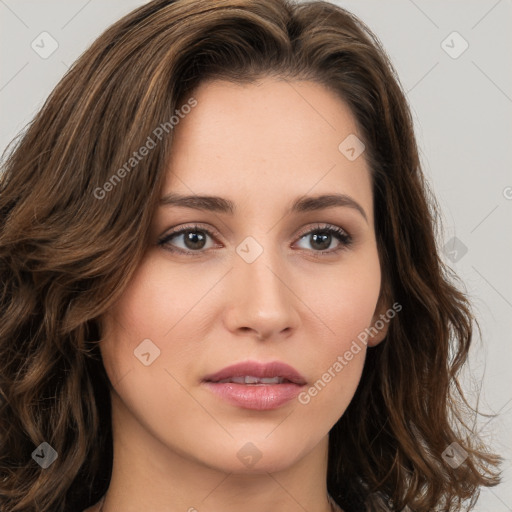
<point>275,138</point>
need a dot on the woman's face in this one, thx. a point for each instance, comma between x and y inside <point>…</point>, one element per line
<point>255,288</point>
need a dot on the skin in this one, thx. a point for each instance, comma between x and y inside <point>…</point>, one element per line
<point>175,443</point>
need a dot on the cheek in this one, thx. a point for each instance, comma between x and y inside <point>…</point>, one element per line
<point>344,299</point>
<point>142,313</point>
<point>162,305</point>
<point>156,299</point>
<point>344,308</point>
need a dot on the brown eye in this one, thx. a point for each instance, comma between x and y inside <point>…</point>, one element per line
<point>321,239</point>
<point>194,239</point>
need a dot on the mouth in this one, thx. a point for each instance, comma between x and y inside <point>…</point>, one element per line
<point>250,380</point>
<point>254,373</point>
<point>256,386</point>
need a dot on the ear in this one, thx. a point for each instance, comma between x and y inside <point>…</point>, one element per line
<point>381,318</point>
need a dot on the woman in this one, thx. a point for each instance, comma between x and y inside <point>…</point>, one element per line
<point>220,282</point>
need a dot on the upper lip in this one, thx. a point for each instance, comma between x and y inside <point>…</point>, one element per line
<point>260,370</point>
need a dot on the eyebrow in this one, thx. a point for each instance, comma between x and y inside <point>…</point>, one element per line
<point>300,205</point>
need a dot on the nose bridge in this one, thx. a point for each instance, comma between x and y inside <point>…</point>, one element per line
<point>261,298</point>
<point>258,266</point>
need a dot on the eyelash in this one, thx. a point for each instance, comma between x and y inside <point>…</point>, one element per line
<point>343,237</point>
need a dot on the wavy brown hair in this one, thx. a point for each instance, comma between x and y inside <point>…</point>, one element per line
<point>66,254</point>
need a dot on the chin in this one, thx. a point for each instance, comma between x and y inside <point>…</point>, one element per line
<point>268,463</point>
<point>261,454</point>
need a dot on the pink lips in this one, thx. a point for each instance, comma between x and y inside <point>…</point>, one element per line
<point>255,394</point>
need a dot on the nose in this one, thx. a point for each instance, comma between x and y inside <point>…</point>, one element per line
<point>261,299</point>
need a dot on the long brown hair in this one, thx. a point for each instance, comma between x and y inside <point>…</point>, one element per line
<point>73,228</point>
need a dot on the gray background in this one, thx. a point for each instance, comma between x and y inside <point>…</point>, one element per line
<point>462,110</point>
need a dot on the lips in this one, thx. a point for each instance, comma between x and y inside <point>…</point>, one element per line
<point>254,373</point>
<point>256,386</point>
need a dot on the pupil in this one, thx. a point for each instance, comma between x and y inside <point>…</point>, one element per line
<point>192,237</point>
<point>325,237</point>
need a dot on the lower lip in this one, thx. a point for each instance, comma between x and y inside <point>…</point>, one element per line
<point>260,397</point>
